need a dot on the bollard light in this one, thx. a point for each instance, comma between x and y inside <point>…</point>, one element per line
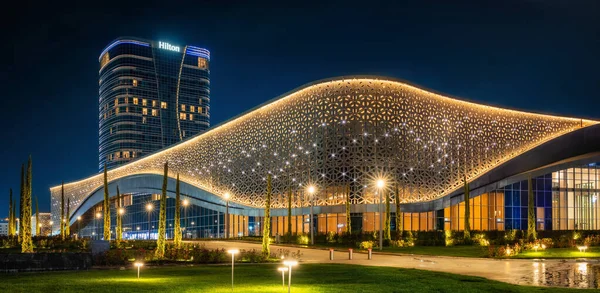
<point>139,265</point>
<point>290,264</point>
<point>282,270</point>
<point>582,248</point>
<point>233,252</point>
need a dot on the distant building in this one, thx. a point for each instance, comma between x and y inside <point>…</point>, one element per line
<point>44,222</point>
<point>151,95</point>
<point>3,228</point>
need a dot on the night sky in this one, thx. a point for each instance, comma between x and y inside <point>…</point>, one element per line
<point>532,55</point>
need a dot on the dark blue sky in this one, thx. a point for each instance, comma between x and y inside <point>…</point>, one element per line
<point>532,55</point>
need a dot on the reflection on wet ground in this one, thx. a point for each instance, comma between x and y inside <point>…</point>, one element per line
<point>572,274</point>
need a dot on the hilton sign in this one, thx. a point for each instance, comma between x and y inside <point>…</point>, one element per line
<point>167,46</point>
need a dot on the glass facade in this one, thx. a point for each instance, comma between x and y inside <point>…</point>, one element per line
<point>150,96</point>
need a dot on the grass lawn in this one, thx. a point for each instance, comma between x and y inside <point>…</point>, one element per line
<point>592,252</point>
<point>257,278</point>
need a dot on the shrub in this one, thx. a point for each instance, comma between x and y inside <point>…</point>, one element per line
<point>366,245</point>
<point>302,240</point>
<point>252,256</point>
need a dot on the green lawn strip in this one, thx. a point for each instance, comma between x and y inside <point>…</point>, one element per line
<point>592,252</point>
<point>261,278</point>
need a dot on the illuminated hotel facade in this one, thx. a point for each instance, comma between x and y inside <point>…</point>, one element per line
<point>341,136</point>
<point>151,95</point>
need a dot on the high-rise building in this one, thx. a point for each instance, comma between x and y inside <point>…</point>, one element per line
<point>152,94</point>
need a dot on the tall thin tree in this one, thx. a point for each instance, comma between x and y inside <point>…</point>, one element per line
<point>348,218</point>
<point>467,233</point>
<point>289,212</point>
<point>119,225</point>
<point>177,230</point>
<point>388,216</point>
<point>38,226</point>
<point>399,215</point>
<point>11,218</point>
<point>14,219</point>
<point>21,203</point>
<point>106,207</point>
<point>67,221</point>
<point>26,241</point>
<point>267,221</point>
<point>531,233</point>
<point>162,218</point>
<point>62,211</point>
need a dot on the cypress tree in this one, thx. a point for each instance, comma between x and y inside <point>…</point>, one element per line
<point>348,219</point>
<point>11,218</point>
<point>14,217</point>
<point>177,230</point>
<point>26,243</point>
<point>531,233</point>
<point>266,251</point>
<point>106,207</point>
<point>21,202</point>
<point>467,234</point>
<point>399,215</point>
<point>67,217</point>
<point>38,228</point>
<point>289,211</point>
<point>387,228</point>
<point>119,225</point>
<point>162,218</point>
<point>62,211</point>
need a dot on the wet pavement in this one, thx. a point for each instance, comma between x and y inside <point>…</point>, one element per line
<point>579,273</point>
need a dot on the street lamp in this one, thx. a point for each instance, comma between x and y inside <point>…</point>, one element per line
<point>139,265</point>
<point>149,208</point>
<point>79,226</point>
<point>51,223</point>
<point>282,270</point>
<point>232,252</point>
<point>227,196</point>
<point>311,191</point>
<point>290,264</point>
<point>185,204</point>
<point>380,185</point>
<point>98,215</point>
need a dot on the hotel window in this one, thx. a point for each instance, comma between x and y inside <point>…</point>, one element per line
<point>117,110</point>
<point>143,120</point>
<point>135,101</point>
<point>126,100</point>
<point>155,196</point>
<point>163,105</point>
<point>154,103</point>
<point>144,102</point>
<point>135,82</point>
<point>182,116</point>
<point>192,108</point>
<point>182,107</point>
<point>126,109</point>
<point>199,109</point>
<point>154,112</point>
<point>202,63</point>
<point>117,155</point>
<point>191,116</point>
<point>116,102</point>
<point>125,155</point>
<point>144,111</point>
<point>183,133</point>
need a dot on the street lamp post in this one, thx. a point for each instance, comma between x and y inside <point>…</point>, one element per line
<point>149,208</point>
<point>51,223</point>
<point>185,204</point>
<point>380,186</point>
<point>98,215</point>
<point>290,264</point>
<point>227,196</point>
<point>232,252</point>
<point>138,265</point>
<point>311,191</point>
<point>79,226</point>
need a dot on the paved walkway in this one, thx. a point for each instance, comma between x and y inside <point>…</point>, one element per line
<point>515,271</point>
